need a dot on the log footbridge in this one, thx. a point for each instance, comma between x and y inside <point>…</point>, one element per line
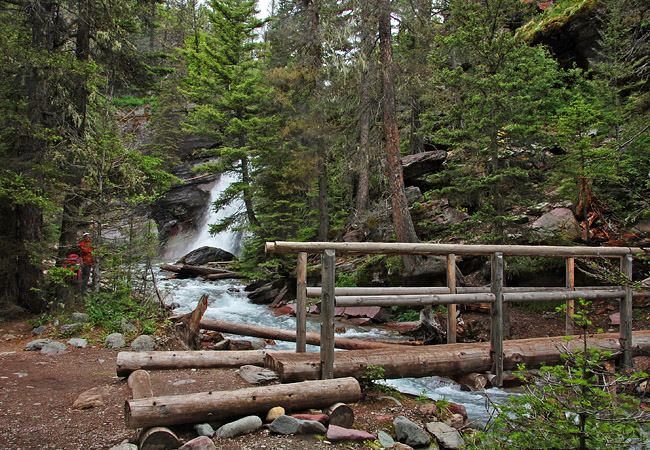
<point>453,359</point>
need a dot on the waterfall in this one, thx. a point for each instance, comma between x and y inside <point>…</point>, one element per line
<point>226,240</point>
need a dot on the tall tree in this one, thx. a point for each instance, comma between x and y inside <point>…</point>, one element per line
<point>402,222</point>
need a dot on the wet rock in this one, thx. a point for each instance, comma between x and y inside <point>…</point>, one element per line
<point>204,255</point>
<point>447,436</point>
<point>143,343</point>
<point>409,433</point>
<point>199,443</point>
<point>311,427</point>
<point>239,427</point>
<point>337,434</point>
<point>114,341</point>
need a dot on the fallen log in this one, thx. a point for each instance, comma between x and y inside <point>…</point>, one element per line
<point>157,437</point>
<point>188,271</point>
<point>128,362</point>
<point>213,406</point>
<point>447,360</point>
<point>287,335</point>
<point>222,276</point>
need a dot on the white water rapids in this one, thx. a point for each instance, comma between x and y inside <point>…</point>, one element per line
<point>228,301</point>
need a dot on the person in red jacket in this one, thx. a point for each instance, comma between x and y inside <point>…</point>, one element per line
<point>86,260</point>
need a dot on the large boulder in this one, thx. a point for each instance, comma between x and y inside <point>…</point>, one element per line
<point>181,209</point>
<point>557,223</point>
<point>204,255</point>
<point>421,164</point>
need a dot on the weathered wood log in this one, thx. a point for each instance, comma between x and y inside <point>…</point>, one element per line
<point>340,415</point>
<point>472,381</point>
<point>212,406</point>
<point>223,276</point>
<point>128,362</point>
<point>140,384</point>
<point>156,438</point>
<point>187,325</point>
<point>445,360</point>
<point>188,271</point>
<point>286,335</point>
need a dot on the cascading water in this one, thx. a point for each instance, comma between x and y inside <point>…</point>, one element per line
<point>228,302</point>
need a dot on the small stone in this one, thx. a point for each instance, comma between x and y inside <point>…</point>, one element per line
<point>69,328</point>
<point>199,443</point>
<point>447,436</point>
<point>127,327</point>
<point>90,398</point>
<point>409,433</point>
<point>204,429</point>
<point>311,427</point>
<point>114,341</point>
<point>337,434</point>
<point>400,446</point>
<point>39,330</point>
<point>322,418</point>
<point>125,446</point>
<point>285,425</point>
<point>53,348</point>
<point>78,343</point>
<point>239,427</point>
<point>257,375</point>
<point>183,382</point>
<point>143,343</point>
<point>274,413</point>
<point>455,421</point>
<point>79,317</point>
<point>385,439</point>
<point>37,344</point>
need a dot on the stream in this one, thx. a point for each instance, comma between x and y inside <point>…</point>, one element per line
<point>228,301</point>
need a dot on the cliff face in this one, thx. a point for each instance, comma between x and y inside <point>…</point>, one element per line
<point>570,33</point>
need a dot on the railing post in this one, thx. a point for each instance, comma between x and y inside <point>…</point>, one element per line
<point>301,303</point>
<point>451,309</point>
<point>327,315</point>
<point>570,304</point>
<point>496,336</point>
<point>626,312</point>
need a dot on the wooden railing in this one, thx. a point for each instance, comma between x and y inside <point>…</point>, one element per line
<point>497,294</point>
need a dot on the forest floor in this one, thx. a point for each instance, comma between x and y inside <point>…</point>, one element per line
<point>38,391</point>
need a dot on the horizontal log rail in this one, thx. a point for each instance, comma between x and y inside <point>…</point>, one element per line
<point>399,248</point>
<point>498,295</point>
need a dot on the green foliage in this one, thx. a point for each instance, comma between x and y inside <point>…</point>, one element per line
<point>579,405</point>
<point>346,280</point>
<point>402,314</point>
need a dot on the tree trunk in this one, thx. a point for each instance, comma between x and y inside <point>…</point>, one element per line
<point>187,326</point>
<point>215,406</point>
<point>402,222</point>
<point>444,360</point>
<point>128,362</point>
<point>365,112</point>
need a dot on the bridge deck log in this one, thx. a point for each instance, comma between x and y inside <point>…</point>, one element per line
<point>445,360</point>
